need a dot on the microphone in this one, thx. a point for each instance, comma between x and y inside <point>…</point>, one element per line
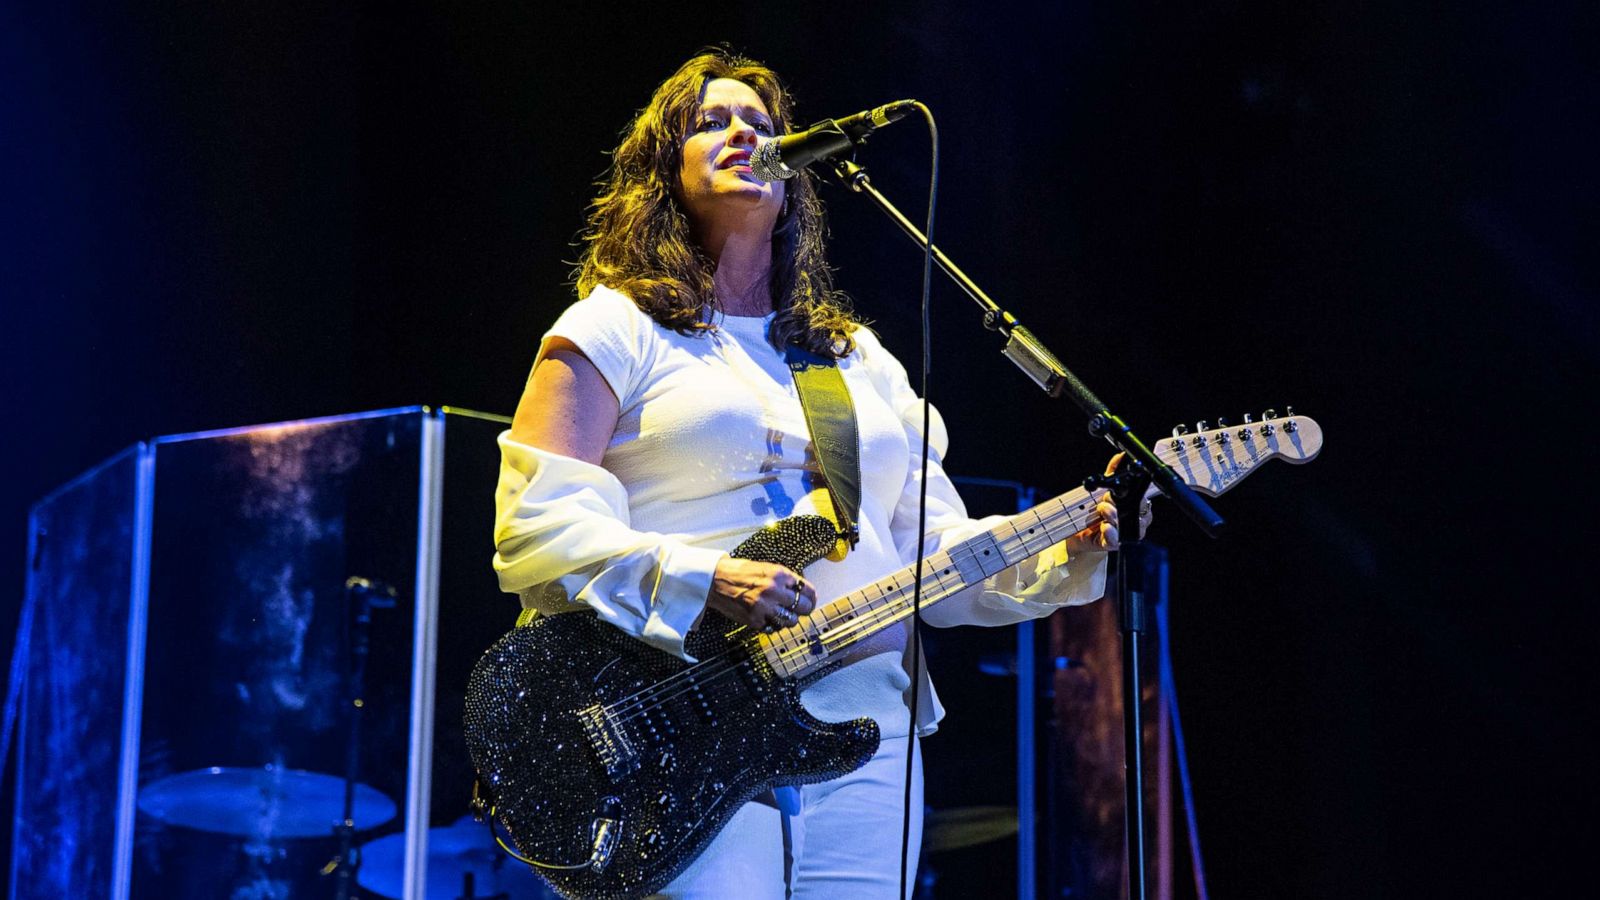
<point>783,157</point>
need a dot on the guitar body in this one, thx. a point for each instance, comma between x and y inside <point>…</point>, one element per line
<point>565,753</point>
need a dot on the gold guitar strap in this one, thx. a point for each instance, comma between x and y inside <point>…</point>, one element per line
<point>831,419</point>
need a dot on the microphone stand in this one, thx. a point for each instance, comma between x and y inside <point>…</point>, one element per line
<point>361,596</point>
<point>1134,478</point>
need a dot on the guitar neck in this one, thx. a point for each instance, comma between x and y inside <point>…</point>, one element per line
<point>806,646</point>
<point>1211,461</point>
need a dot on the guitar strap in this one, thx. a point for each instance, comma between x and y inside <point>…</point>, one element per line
<point>831,419</point>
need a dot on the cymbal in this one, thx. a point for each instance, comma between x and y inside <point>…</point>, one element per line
<point>266,802</point>
<point>464,847</point>
<point>966,826</point>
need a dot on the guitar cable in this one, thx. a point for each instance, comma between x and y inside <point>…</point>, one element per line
<point>483,811</point>
<point>922,502</point>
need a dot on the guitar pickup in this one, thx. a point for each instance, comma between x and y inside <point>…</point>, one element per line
<point>609,742</point>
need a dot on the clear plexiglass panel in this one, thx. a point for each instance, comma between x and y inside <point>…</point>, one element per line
<point>248,696</point>
<point>74,647</point>
<point>189,707</point>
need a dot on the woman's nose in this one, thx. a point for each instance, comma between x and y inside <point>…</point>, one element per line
<point>742,132</point>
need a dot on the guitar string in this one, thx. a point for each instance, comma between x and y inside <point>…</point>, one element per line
<point>704,672</point>
<point>632,703</point>
<point>1016,543</point>
<point>1064,511</point>
<point>884,610</point>
<point>1044,518</point>
<point>881,611</point>
<point>1058,508</point>
<point>1049,522</point>
<point>641,703</point>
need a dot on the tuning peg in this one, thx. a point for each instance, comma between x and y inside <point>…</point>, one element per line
<point>1269,414</point>
<point>1200,425</point>
<point>1288,411</point>
<point>1247,419</point>
<point>1221,422</point>
<point>1180,430</point>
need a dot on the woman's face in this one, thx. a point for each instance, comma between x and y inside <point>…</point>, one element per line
<point>715,184</point>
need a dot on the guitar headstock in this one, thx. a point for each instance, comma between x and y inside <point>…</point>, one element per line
<point>1214,459</point>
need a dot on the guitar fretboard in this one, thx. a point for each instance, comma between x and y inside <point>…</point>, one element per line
<point>801,648</point>
<point>1211,461</point>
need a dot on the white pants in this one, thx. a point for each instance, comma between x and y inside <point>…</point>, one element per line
<point>842,845</point>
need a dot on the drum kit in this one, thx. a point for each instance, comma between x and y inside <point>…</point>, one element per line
<point>268,808</point>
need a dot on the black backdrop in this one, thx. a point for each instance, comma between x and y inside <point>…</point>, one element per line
<point>223,214</point>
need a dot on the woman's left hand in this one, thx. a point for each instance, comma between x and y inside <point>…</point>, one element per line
<point>1102,536</point>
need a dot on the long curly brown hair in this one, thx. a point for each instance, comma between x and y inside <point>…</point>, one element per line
<point>639,241</point>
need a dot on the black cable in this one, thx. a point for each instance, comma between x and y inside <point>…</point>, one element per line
<point>922,502</point>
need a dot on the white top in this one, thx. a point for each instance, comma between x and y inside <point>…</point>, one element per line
<point>711,444</point>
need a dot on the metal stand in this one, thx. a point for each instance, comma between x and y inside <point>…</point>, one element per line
<point>361,596</point>
<point>1141,469</point>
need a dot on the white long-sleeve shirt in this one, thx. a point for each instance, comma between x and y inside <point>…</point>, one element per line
<point>711,443</point>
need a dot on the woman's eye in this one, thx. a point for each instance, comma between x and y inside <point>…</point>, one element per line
<point>710,123</point>
<point>763,128</point>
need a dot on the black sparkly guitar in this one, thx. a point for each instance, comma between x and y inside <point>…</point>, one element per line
<point>612,764</point>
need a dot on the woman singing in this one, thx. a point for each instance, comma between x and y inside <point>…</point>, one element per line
<point>661,426</point>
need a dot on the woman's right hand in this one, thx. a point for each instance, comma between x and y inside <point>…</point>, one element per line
<point>763,596</point>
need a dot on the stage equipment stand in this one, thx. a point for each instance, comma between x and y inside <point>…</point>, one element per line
<point>1140,469</point>
<point>361,598</point>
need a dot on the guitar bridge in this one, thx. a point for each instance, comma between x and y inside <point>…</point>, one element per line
<point>609,741</point>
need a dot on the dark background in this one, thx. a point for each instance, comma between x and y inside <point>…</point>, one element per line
<point>1380,213</point>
